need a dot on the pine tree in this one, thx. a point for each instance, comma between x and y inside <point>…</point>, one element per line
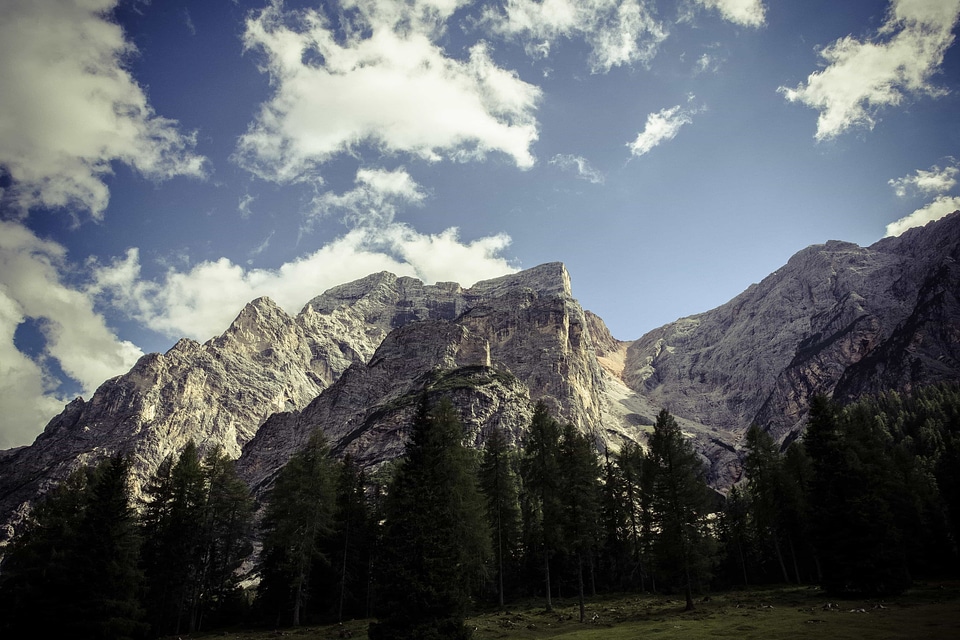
<point>297,525</point>
<point>854,484</point>
<point>73,571</point>
<point>541,506</point>
<point>763,468</point>
<point>352,541</point>
<point>227,526</point>
<point>681,504</point>
<point>500,487</point>
<point>171,528</point>
<point>580,500</point>
<point>435,536</point>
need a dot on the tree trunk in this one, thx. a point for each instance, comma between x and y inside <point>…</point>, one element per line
<point>688,589</point>
<point>783,566</point>
<point>580,585</point>
<point>546,566</point>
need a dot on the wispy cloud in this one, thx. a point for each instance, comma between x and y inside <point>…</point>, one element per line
<point>375,198</point>
<point>245,205</point>
<point>748,13</point>
<point>387,84</point>
<point>578,164</point>
<point>661,126</point>
<point>863,76</point>
<point>71,108</point>
<point>935,180</point>
<point>618,32</point>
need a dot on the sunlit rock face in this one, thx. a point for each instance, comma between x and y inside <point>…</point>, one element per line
<point>837,319</point>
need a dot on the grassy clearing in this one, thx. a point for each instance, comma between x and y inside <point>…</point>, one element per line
<point>930,611</point>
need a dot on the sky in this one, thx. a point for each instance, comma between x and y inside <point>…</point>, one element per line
<point>163,163</point>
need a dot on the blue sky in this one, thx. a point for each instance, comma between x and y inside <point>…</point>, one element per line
<point>163,163</point>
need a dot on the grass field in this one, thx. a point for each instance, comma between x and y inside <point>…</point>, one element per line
<point>929,611</point>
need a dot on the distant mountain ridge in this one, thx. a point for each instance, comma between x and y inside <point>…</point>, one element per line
<point>837,319</point>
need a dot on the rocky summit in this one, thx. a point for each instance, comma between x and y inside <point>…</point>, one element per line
<point>837,319</point>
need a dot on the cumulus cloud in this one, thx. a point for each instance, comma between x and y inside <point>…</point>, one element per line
<point>387,83</point>
<point>203,300</point>
<point>942,206</point>
<point>70,108</point>
<point>863,76</point>
<point>618,32</point>
<point>76,335</point>
<point>926,182</point>
<point>375,199</point>
<point>578,164</point>
<point>661,126</point>
<point>748,13</point>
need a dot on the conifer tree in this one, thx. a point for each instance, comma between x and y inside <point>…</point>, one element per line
<point>763,468</point>
<point>541,505</point>
<point>297,525</point>
<point>353,540</point>
<point>435,536</point>
<point>580,500</point>
<point>73,571</point>
<point>171,527</point>
<point>500,487</point>
<point>681,502</point>
<point>855,530</point>
<point>226,529</point>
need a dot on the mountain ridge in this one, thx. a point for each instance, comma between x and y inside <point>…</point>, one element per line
<point>836,318</point>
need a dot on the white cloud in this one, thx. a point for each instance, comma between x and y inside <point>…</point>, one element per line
<point>202,301</point>
<point>619,32</point>
<point>387,83</point>
<point>76,335</point>
<point>942,206</point>
<point>579,164</point>
<point>375,198</point>
<point>748,13</point>
<point>862,77</point>
<point>927,182</point>
<point>69,108</point>
<point>661,126</point>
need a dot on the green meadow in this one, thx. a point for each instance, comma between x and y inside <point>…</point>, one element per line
<point>930,610</point>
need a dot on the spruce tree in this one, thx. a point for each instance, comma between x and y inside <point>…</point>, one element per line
<point>500,487</point>
<point>435,536</point>
<point>681,503</point>
<point>73,571</point>
<point>541,505</point>
<point>171,526</point>
<point>580,499</point>
<point>352,541</point>
<point>297,525</point>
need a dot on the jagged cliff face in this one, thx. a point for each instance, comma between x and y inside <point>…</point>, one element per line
<point>837,319</point>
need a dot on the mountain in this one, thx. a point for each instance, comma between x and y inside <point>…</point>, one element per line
<point>837,319</point>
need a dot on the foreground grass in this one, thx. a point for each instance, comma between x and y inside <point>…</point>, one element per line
<point>928,611</point>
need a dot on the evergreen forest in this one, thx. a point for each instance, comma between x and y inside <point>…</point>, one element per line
<point>866,502</point>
